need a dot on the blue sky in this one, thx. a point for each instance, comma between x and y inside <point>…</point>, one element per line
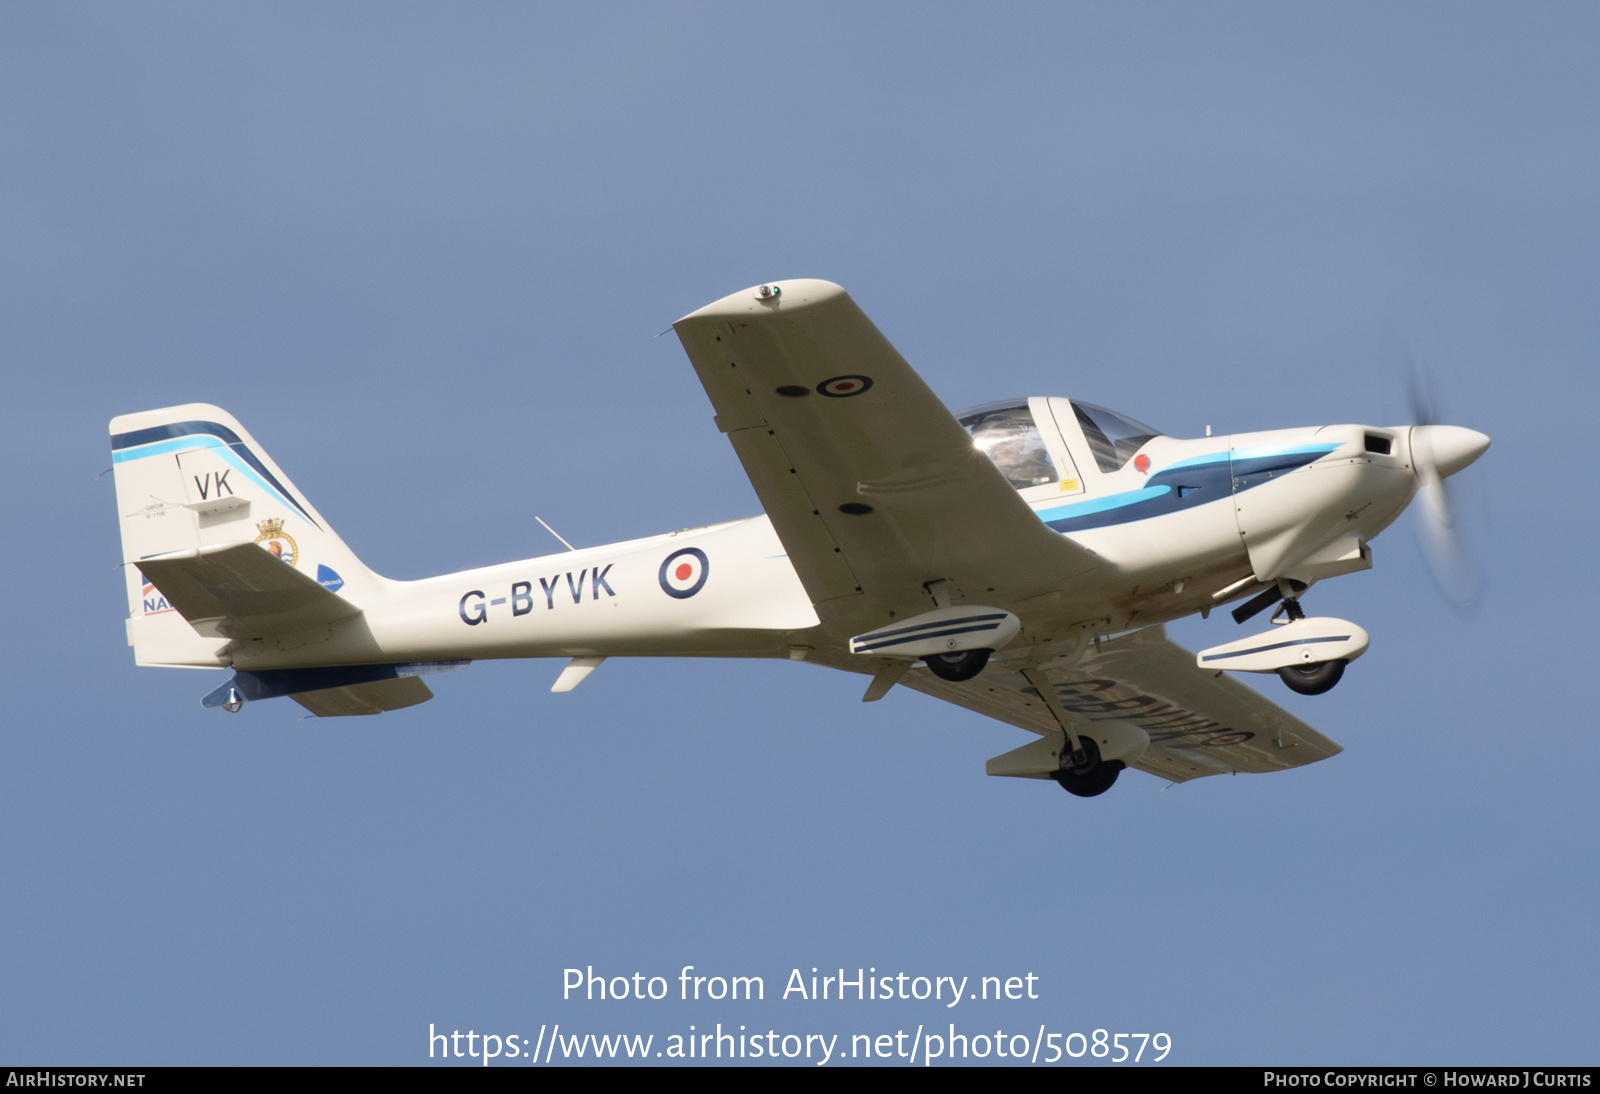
<point>422,252</point>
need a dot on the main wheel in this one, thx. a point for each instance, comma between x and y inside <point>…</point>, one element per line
<point>957,667</point>
<point>1092,777</point>
<point>1313,679</point>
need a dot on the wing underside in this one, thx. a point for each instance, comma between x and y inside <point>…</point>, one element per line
<point>1199,723</point>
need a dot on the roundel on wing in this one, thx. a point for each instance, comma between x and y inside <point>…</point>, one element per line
<point>841,387</point>
<point>1235,738</point>
<point>684,573</point>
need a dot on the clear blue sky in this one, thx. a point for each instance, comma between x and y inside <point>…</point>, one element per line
<point>421,251</point>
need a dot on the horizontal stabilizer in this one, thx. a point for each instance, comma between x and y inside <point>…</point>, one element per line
<point>335,690</point>
<point>271,683</point>
<point>407,691</point>
<point>243,591</point>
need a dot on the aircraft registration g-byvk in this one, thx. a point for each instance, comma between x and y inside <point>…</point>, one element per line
<point>1017,559</point>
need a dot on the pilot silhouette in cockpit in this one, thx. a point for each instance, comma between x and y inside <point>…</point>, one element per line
<point>1005,441</point>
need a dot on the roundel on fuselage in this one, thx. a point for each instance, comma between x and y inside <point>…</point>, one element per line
<point>684,573</point>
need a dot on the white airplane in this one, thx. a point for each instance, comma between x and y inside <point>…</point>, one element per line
<point>1017,559</point>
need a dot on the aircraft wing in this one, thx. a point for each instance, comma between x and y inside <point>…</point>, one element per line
<point>242,591</point>
<point>872,485</point>
<point>1199,722</point>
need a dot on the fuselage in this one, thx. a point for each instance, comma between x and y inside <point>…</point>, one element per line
<point>1179,524</point>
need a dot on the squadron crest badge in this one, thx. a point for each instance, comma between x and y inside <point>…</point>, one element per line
<point>278,542</point>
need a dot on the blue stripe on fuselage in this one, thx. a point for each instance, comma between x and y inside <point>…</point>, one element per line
<point>1184,485</point>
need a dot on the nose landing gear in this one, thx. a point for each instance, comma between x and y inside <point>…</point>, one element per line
<point>1309,654</point>
<point>1309,679</point>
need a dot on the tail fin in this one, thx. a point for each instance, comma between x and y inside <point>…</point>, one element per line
<point>192,482</point>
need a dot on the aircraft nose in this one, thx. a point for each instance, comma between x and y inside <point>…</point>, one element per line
<point>1453,447</point>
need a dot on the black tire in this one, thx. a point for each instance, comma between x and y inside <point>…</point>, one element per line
<point>1313,679</point>
<point>1091,778</point>
<point>957,667</point>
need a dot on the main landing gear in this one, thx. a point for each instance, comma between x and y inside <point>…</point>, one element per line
<point>957,667</point>
<point>1093,776</point>
<point>1313,679</point>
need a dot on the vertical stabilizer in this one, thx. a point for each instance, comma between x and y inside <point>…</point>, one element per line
<point>191,480</point>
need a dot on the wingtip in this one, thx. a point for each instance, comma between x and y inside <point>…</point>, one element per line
<point>768,297</point>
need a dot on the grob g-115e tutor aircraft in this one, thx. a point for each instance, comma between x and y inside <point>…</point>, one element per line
<point>1017,559</point>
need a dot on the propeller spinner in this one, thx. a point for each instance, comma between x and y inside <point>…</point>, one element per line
<point>1437,452</point>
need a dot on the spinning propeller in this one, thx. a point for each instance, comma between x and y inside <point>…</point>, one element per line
<point>1437,452</point>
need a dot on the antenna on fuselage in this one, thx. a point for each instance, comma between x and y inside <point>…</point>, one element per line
<point>555,533</point>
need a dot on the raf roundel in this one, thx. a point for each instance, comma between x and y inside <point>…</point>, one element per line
<point>684,573</point>
<point>841,387</point>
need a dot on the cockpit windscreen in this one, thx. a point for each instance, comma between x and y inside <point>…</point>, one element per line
<point>1008,435</point>
<point>1112,437</point>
